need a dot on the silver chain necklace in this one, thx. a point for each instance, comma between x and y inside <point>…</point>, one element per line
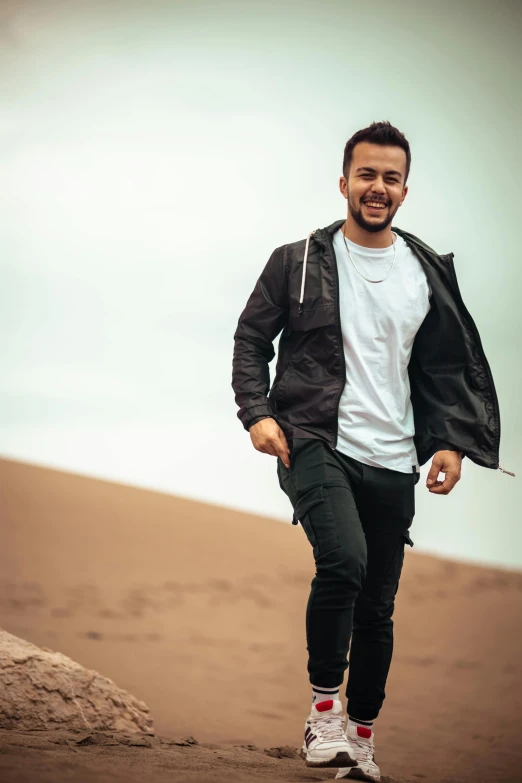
<point>366,278</point>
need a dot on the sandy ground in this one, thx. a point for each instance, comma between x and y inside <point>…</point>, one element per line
<point>199,611</point>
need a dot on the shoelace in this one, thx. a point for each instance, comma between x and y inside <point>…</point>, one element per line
<point>362,751</point>
<point>331,728</point>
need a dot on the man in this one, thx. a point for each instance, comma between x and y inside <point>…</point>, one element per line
<point>380,367</point>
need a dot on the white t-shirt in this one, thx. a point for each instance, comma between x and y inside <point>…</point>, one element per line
<point>379,322</point>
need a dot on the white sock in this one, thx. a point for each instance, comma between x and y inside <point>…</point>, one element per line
<point>320,694</point>
<point>368,724</point>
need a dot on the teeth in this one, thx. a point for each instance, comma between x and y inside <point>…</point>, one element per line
<point>375,204</point>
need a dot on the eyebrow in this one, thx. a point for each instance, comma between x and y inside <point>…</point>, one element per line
<point>373,171</point>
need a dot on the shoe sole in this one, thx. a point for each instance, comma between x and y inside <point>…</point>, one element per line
<point>356,773</point>
<point>341,759</point>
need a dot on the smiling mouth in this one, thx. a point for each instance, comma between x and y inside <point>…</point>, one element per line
<point>375,206</point>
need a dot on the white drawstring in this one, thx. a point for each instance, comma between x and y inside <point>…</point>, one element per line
<point>304,270</point>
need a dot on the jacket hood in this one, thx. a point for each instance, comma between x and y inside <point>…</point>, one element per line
<point>320,236</point>
<point>411,239</point>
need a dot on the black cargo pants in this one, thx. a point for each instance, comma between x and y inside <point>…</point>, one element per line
<point>356,518</point>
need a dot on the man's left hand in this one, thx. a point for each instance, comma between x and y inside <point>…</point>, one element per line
<point>448,462</point>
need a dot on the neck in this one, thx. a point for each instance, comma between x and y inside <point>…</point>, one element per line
<point>355,233</point>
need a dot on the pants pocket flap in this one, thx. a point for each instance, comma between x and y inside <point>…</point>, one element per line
<point>407,538</point>
<point>307,501</point>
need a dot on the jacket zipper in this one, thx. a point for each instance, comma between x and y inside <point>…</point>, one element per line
<point>474,329</point>
<point>340,332</point>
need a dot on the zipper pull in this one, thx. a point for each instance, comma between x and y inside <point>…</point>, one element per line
<point>505,471</point>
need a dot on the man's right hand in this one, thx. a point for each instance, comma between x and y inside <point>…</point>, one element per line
<point>268,437</point>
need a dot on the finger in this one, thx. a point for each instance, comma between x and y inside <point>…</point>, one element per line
<point>444,487</point>
<point>285,456</point>
<point>270,448</point>
<point>283,452</point>
<point>433,473</point>
<point>435,487</point>
<point>277,450</point>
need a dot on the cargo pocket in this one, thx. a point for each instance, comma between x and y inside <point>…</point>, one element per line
<point>314,510</point>
<point>392,575</point>
<point>407,538</point>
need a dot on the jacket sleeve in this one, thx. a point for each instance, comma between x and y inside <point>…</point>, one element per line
<point>441,445</point>
<point>264,316</point>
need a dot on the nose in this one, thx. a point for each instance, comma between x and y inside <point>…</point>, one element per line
<point>378,186</point>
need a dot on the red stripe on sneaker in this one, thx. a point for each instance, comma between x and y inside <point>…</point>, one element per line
<point>362,731</point>
<point>323,706</point>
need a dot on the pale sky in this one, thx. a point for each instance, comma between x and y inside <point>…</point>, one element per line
<point>152,157</point>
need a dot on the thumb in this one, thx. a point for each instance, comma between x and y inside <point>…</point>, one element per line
<point>434,471</point>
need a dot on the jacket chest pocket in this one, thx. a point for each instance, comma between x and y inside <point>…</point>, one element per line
<point>321,315</point>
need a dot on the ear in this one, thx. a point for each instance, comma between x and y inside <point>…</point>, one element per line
<point>404,194</point>
<point>343,186</point>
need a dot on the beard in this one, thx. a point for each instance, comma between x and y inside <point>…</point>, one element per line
<point>373,226</point>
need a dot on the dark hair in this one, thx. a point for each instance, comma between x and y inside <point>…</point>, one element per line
<point>382,133</point>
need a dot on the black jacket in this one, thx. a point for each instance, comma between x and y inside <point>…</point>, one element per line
<point>453,397</point>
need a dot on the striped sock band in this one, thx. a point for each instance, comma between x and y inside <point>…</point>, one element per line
<point>356,722</point>
<point>320,694</point>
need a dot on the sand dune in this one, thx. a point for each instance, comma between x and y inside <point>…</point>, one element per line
<point>198,610</point>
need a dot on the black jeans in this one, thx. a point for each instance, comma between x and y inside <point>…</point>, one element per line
<point>356,518</point>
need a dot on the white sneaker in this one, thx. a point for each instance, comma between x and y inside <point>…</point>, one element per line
<point>325,743</point>
<point>362,748</point>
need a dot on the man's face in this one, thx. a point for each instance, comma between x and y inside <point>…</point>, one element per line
<point>376,175</point>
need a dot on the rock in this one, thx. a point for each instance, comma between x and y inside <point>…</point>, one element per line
<point>283,752</point>
<point>136,740</point>
<point>190,740</point>
<point>97,739</point>
<point>186,741</point>
<point>41,689</point>
<point>183,742</point>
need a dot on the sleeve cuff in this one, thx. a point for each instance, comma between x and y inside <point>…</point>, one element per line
<point>444,446</point>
